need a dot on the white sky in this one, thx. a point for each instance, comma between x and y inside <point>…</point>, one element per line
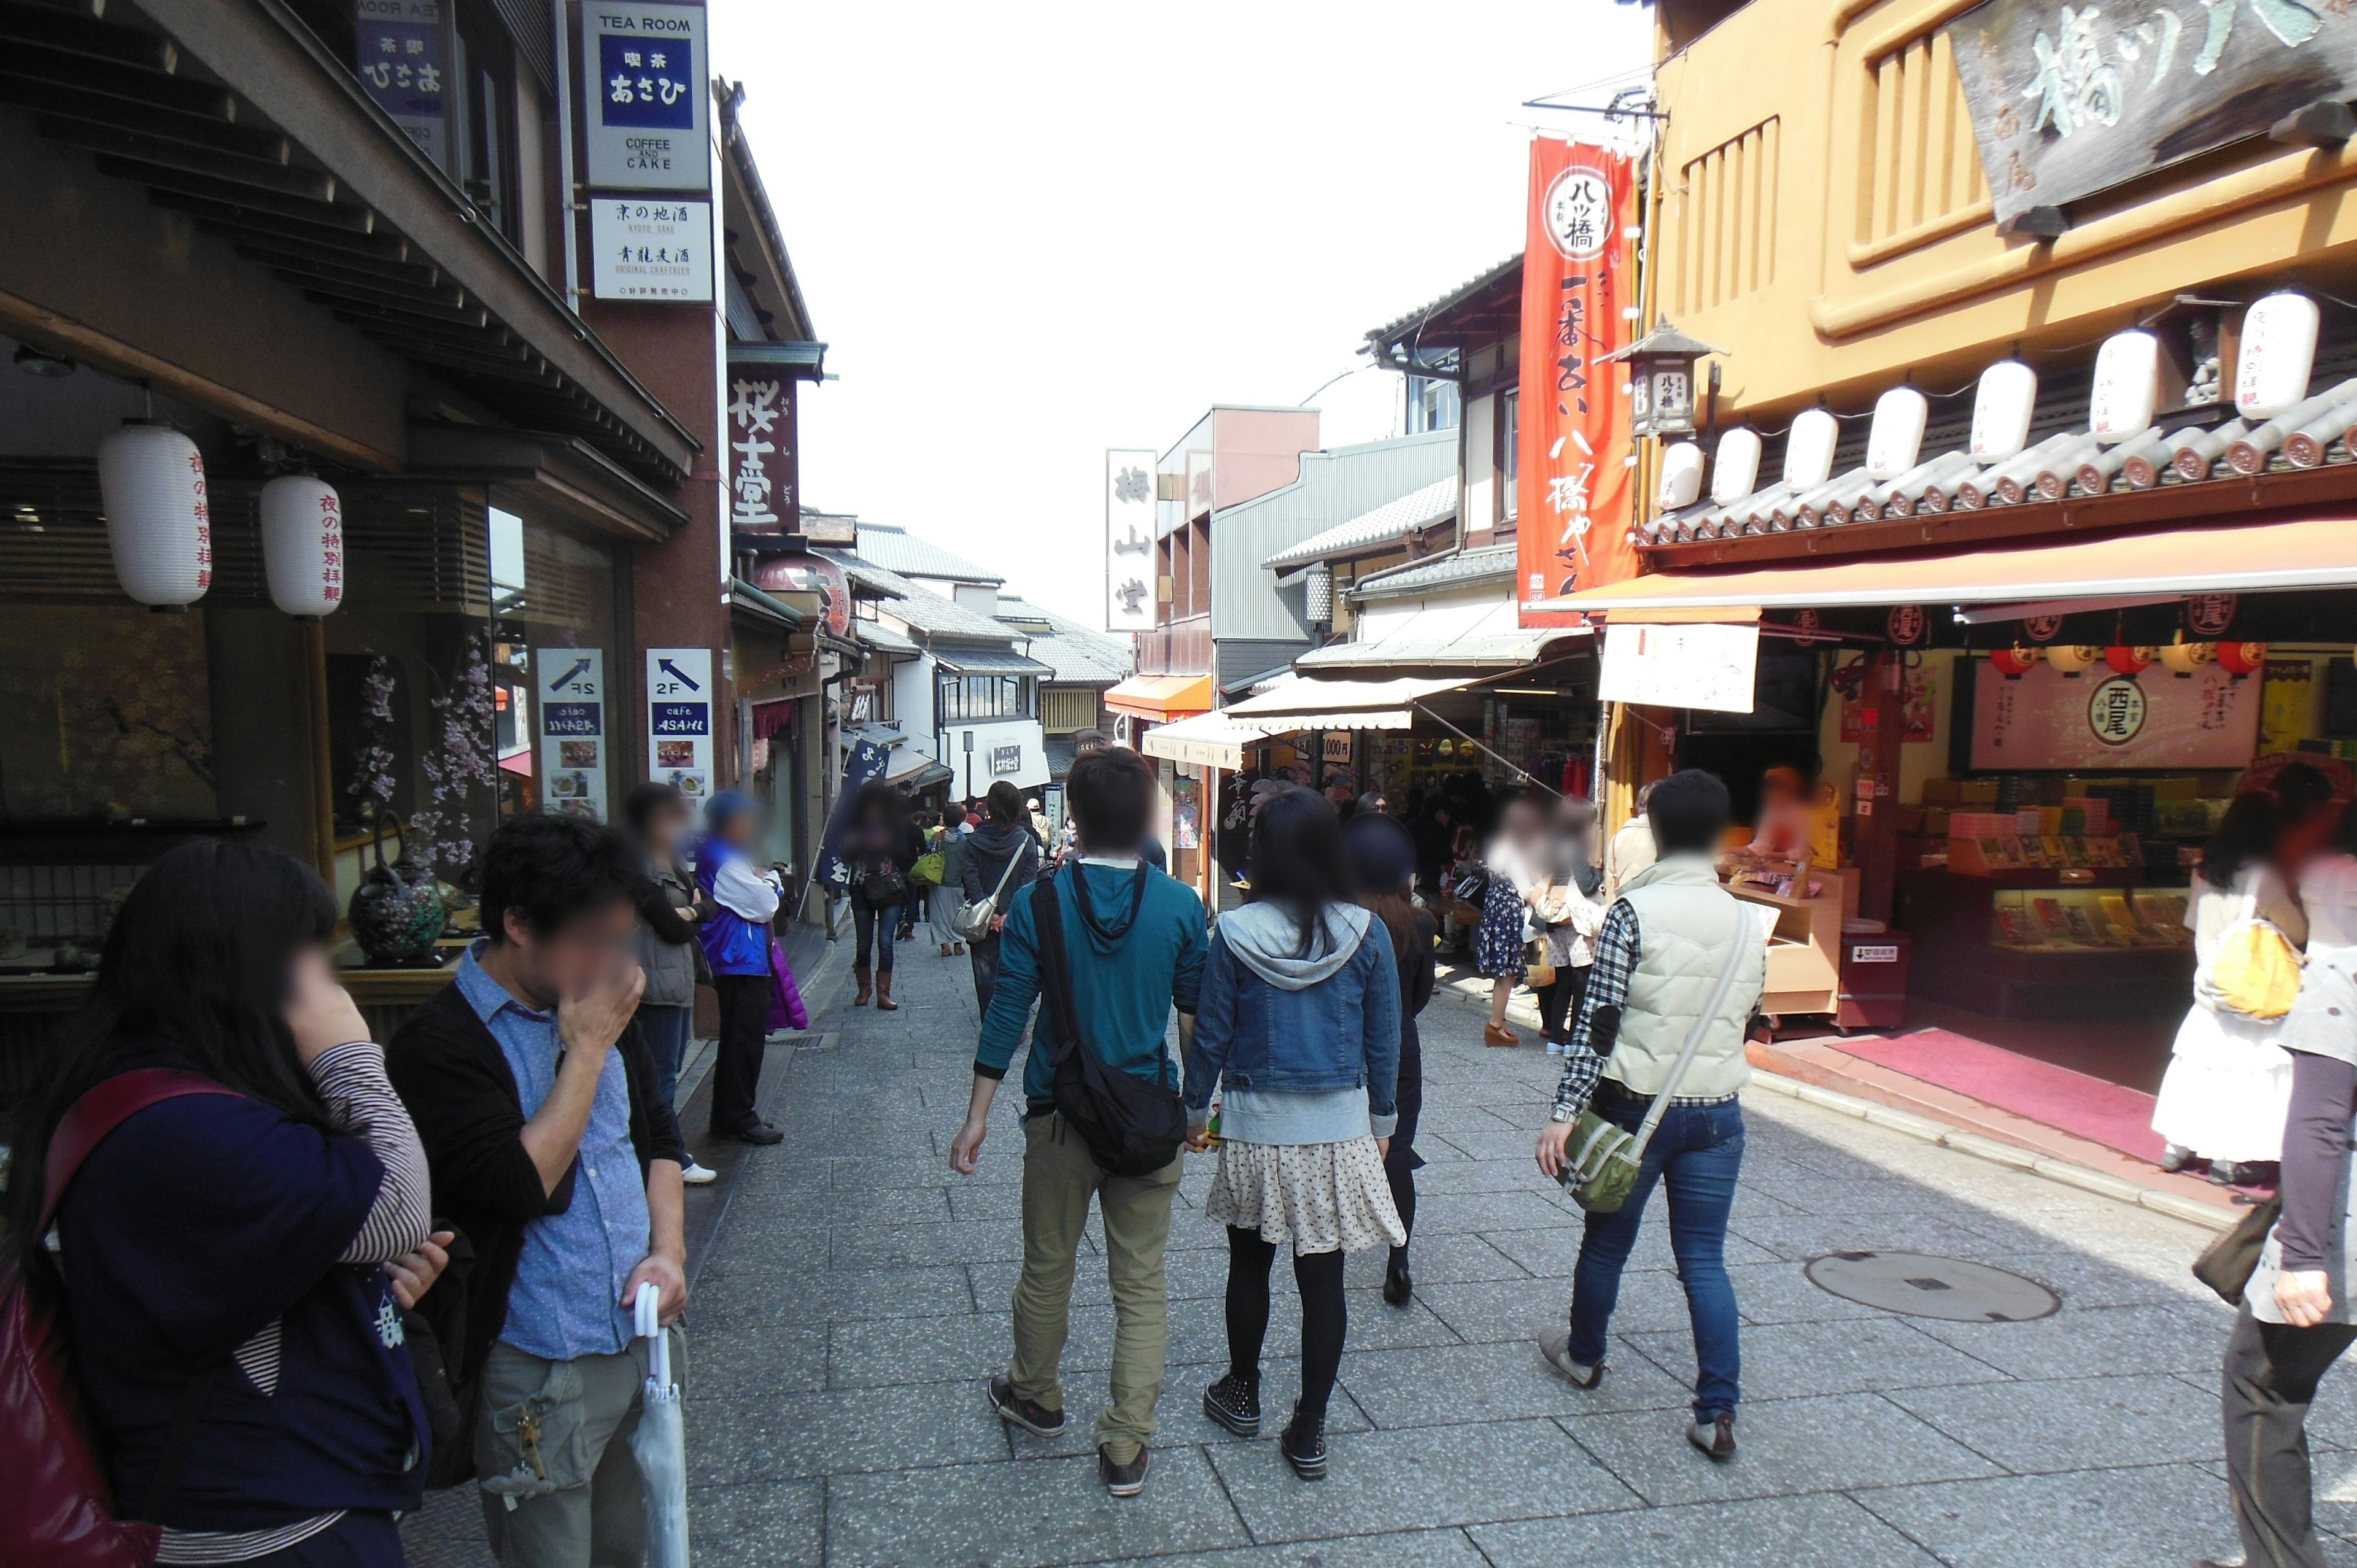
<point>1030,233</point>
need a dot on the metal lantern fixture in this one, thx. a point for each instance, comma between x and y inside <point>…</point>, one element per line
<point>1661,380</point>
<point>303,545</point>
<point>1317,594</point>
<point>160,528</point>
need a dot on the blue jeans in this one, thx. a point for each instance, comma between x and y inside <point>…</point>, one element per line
<point>1696,1152</point>
<point>985,953</point>
<point>667,1030</point>
<point>874,929</point>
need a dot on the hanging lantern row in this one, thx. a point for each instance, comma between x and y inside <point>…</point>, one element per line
<point>2179,659</point>
<point>159,530</point>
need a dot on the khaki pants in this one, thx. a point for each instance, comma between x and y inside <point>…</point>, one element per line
<point>1057,1179</point>
<point>560,1486</point>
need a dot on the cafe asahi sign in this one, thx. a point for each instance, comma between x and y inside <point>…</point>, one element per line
<point>2070,100</point>
<point>643,70</point>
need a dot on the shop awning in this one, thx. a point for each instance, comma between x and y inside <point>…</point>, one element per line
<point>914,770</point>
<point>1481,634</point>
<point>1336,703</point>
<point>2319,553</point>
<point>1161,698</point>
<point>1206,740</point>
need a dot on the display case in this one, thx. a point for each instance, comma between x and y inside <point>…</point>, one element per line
<point>2055,943</point>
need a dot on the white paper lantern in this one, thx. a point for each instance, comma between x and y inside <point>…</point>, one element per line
<point>2128,387</point>
<point>303,544</point>
<point>1809,449</point>
<point>159,527</point>
<point>2001,410</point>
<point>1681,476</point>
<point>1737,473</point>
<point>1897,434</point>
<point>2277,354</point>
<point>2074,659</point>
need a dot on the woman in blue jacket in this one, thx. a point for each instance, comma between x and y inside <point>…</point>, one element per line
<point>1300,1016</point>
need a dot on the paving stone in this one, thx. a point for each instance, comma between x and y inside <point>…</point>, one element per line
<point>790,1357</point>
<point>1784,1532</point>
<point>997,1168</point>
<point>778,1521</point>
<point>910,1246</point>
<point>1791,1360</point>
<point>1447,1213</point>
<point>1400,1480</point>
<point>2093,1341</point>
<point>1440,1260</point>
<point>1026,1514</point>
<point>820,1207</point>
<point>2162,1514</point>
<point>1799,1237</point>
<point>1824,1444</point>
<point>1180,1414</point>
<point>757,1295</point>
<point>2074,1424</point>
<point>836,1431</point>
<point>884,1352</point>
<point>1449,1385</point>
<point>1553,1252</point>
<point>1419,1549</point>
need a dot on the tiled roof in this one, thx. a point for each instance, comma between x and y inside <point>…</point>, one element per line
<point>898,550</point>
<point>964,660</point>
<point>1393,520</point>
<point>882,637</point>
<point>922,609</point>
<point>1457,570</point>
<point>1394,331</point>
<point>1080,655</point>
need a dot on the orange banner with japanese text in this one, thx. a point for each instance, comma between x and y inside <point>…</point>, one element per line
<point>1575,482</point>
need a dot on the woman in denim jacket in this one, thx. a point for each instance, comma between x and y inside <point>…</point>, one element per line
<point>1300,1014</point>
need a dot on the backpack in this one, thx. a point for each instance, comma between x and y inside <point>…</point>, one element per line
<point>54,1508</point>
<point>1133,1128</point>
<point>2256,970</point>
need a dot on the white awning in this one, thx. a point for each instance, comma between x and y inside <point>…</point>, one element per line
<point>1479,633</point>
<point>1206,740</point>
<point>1335,703</point>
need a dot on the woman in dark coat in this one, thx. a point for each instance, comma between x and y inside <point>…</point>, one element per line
<point>1382,856</point>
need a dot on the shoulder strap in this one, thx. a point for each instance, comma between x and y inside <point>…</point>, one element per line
<point>106,1107</point>
<point>1744,932</point>
<point>1014,859</point>
<point>1055,968</point>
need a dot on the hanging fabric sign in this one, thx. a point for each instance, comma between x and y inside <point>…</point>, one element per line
<point>1574,480</point>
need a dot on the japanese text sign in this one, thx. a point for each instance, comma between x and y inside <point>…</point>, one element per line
<point>2069,100</point>
<point>1573,487</point>
<point>403,60</point>
<point>642,68</point>
<point>1129,541</point>
<point>1704,666</point>
<point>655,249</point>
<point>762,473</point>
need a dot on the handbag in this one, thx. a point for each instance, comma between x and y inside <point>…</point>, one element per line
<point>1133,1128</point>
<point>929,869</point>
<point>2227,1264</point>
<point>2256,970</point>
<point>1538,970</point>
<point>1602,1159</point>
<point>883,889</point>
<point>973,918</point>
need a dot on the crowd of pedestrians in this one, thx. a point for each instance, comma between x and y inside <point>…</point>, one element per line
<point>328,1273</point>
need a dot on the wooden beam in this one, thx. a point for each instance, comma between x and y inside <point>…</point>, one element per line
<point>331,262</point>
<point>126,154</point>
<point>222,200</point>
<point>267,229</point>
<point>59,30</point>
<point>36,63</point>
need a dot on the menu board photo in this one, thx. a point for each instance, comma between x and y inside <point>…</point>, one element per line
<point>2048,718</point>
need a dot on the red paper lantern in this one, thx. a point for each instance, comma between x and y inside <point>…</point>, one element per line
<point>2014,663</point>
<point>2240,658</point>
<point>2127,660</point>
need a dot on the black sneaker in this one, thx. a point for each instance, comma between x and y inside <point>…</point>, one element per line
<point>1235,1404</point>
<point>1715,1437</point>
<point>1121,1480</point>
<point>1030,1415</point>
<point>1303,1444</point>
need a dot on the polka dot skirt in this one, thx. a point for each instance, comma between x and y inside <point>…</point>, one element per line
<point>1322,1198</point>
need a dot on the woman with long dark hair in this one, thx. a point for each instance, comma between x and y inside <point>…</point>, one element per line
<point>669,950</point>
<point>2229,1082</point>
<point>1382,856</point>
<point>1004,840</point>
<point>876,849</point>
<point>1299,1014</point>
<point>231,1262</point>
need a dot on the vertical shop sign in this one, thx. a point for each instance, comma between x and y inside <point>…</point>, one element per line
<point>763,477</point>
<point>658,251</point>
<point>403,59</point>
<point>1573,479</point>
<point>1129,541</point>
<point>571,686</point>
<point>679,719</point>
<point>642,67</point>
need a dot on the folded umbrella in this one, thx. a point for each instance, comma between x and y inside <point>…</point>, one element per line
<point>660,1443</point>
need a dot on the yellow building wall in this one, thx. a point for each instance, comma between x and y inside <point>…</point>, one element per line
<point>1825,220</point>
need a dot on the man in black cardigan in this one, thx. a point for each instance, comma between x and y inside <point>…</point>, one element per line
<point>552,1152</point>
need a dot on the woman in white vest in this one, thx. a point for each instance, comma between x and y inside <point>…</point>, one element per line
<point>2295,1319</point>
<point>1668,941</point>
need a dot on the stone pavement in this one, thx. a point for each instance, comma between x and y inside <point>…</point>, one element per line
<point>855,1298</point>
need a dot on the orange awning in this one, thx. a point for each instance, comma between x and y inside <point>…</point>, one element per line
<point>1161,698</point>
<point>2318,553</point>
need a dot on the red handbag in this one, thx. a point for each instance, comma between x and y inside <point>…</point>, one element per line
<point>54,1508</point>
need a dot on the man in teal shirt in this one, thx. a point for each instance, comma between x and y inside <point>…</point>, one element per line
<point>1137,942</point>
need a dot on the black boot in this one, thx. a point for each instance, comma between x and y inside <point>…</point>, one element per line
<point>1399,1284</point>
<point>1303,1444</point>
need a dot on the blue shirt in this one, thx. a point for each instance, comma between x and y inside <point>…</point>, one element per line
<point>567,1297</point>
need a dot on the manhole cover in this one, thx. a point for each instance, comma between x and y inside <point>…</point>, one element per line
<point>1924,1287</point>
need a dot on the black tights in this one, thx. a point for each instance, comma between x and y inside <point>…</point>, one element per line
<point>1403,1179</point>
<point>1324,1315</point>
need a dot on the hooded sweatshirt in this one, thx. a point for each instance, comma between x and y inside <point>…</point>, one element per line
<point>1266,940</point>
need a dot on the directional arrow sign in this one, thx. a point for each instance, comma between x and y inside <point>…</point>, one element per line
<point>676,673</point>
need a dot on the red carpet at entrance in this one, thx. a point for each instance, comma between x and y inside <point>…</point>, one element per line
<point>2054,1096</point>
